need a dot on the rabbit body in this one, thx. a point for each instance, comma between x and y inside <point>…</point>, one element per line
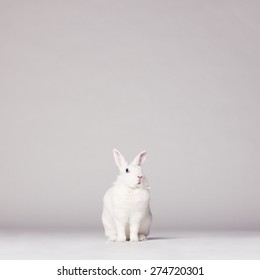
<point>126,211</point>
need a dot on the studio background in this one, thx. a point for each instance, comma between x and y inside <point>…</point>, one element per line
<point>177,78</point>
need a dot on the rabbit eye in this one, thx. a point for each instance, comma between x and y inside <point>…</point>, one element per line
<point>127,170</point>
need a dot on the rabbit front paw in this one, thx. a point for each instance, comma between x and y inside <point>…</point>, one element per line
<point>121,238</point>
<point>134,238</point>
<point>112,238</point>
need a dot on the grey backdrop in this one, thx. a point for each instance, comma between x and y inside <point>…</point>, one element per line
<point>177,78</point>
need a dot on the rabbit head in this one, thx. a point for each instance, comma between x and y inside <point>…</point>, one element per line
<point>131,174</point>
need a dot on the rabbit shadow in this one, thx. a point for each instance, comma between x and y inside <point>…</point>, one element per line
<point>161,238</point>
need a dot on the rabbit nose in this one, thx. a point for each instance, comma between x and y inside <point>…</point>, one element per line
<point>140,177</point>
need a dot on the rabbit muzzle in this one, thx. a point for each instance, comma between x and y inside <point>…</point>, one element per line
<point>139,179</point>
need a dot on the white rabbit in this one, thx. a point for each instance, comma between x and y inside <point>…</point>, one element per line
<point>126,211</point>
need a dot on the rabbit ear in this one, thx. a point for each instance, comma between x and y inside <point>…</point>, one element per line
<point>140,158</point>
<point>119,159</point>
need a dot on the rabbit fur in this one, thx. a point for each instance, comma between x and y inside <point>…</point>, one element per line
<point>126,211</point>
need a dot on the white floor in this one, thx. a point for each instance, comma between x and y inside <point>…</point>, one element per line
<point>161,245</point>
